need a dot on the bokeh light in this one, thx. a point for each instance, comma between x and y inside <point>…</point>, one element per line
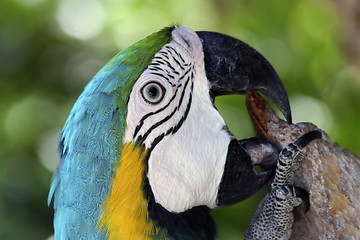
<point>81,19</point>
<point>46,149</point>
<point>308,109</point>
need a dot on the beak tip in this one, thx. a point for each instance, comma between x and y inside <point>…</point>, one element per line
<point>287,111</point>
<point>233,67</point>
<point>289,118</point>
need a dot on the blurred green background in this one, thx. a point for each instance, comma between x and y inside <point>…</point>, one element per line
<point>50,49</point>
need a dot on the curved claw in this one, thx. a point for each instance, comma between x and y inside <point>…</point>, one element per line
<point>304,140</point>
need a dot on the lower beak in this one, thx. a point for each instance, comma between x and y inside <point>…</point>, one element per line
<point>240,180</point>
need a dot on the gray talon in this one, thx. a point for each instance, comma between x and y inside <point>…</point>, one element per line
<point>274,217</point>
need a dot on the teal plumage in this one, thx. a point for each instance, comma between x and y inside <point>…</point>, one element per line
<point>91,142</point>
<point>145,154</point>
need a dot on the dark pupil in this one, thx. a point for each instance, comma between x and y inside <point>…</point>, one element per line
<point>153,91</point>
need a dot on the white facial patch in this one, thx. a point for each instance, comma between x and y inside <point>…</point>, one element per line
<point>184,132</point>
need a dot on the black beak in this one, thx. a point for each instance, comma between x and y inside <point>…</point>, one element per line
<point>233,67</point>
<point>240,180</point>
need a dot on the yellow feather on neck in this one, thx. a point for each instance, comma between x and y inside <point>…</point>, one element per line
<point>125,212</point>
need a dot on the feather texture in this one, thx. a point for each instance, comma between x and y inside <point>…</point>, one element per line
<point>90,144</point>
<point>125,212</point>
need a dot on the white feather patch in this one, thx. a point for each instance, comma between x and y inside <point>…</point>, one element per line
<point>185,168</point>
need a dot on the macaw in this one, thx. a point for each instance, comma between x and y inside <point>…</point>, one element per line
<point>144,153</point>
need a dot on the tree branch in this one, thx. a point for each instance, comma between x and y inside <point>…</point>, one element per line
<point>329,173</point>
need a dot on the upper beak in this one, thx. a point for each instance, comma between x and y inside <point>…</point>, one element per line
<point>233,67</point>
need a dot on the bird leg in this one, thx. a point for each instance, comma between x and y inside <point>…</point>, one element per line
<point>274,217</point>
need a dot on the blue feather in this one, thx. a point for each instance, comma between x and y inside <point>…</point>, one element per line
<point>91,142</point>
<point>87,157</point>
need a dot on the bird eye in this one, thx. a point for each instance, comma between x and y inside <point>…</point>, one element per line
<point>153,92</point>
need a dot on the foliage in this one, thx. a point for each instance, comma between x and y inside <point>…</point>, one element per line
<point>49,50</point>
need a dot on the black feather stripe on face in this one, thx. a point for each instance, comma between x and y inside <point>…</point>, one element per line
<point>172,129</point>
<point>162,67</point>
<point>138,127</point>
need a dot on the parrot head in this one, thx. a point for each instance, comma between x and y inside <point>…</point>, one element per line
<point>144,153</point>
